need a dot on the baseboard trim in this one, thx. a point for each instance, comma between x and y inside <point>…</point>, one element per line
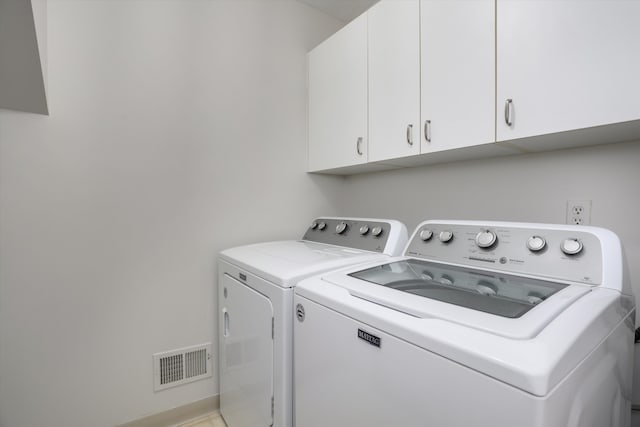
<point>178,415</point>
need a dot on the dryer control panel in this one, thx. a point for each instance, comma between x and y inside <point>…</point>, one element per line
<point>573,254</point>
<point>365,234</point>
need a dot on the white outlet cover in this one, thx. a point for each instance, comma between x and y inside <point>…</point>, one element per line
<point>579,212</point>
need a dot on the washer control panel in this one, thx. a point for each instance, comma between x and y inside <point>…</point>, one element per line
<point>358,234</point>
<point>568,254</point>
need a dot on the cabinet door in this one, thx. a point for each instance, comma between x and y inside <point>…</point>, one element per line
<point>566,65</point>
<point>458,73</point>
<point>394,79</point>
<point>338,99</point>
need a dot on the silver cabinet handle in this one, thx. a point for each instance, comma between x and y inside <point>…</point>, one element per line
<point>225,331</point>
<point>359,146</point>
<point>427,130</point>
<point>507,112</point>
<point>410,134</point>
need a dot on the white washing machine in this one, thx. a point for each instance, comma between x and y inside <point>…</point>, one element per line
<point>488,324</point>
<point>255,295</point>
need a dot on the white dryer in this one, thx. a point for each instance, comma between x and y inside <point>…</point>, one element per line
<point>488,324</point>
<point>255,300</point>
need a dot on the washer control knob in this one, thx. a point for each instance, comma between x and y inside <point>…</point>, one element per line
<point>426,235</point>
<point>364,230</point>
<point>322,225</point>
<point>376,231</point>
<point>426,275</point>
<point>314,225</point>
<point>446,280</point>
<point>486,239</point>
<point>571,246</point>
<point>341,228</point>
<point>536,243</point>
<point>445,236</point>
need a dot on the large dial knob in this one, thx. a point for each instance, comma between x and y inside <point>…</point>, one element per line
<point>571,246</point>
<point>486,239</point>
<point>322,225</point>
<point>426,235</point>
<point>364,230</point>
<point>445,236</point>
<point>376,231</point>
<point>341,228</point>
<point>536,243</point>
<point>314,225</point>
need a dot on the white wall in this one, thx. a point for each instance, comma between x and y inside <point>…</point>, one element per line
<point>177,129</point>
<point>530,188</point>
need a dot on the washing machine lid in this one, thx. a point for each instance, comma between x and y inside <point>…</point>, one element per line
<point>533,352</point>
<point>284,263</point>
<point>499,294</point>
<point>502,304</point>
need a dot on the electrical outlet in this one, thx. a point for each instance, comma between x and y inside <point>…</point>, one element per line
<point>579,212</point>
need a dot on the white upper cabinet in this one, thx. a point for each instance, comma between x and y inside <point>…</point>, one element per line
<point>458,73</point>
<point>394,79</point>
<point>566,65</point>
<point>414,82</point>
<point>338,99</point>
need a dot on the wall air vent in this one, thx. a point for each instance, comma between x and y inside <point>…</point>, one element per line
<point>181,366</point>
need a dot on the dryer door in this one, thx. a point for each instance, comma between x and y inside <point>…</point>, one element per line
<point>246,356</point>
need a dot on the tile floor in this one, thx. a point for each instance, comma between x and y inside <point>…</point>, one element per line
<point>213,419</point>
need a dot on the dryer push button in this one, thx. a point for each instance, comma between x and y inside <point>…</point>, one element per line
<point>445,236</point>
<point>341,228</point>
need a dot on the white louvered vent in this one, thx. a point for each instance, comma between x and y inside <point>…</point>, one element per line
<point>181,366</point>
